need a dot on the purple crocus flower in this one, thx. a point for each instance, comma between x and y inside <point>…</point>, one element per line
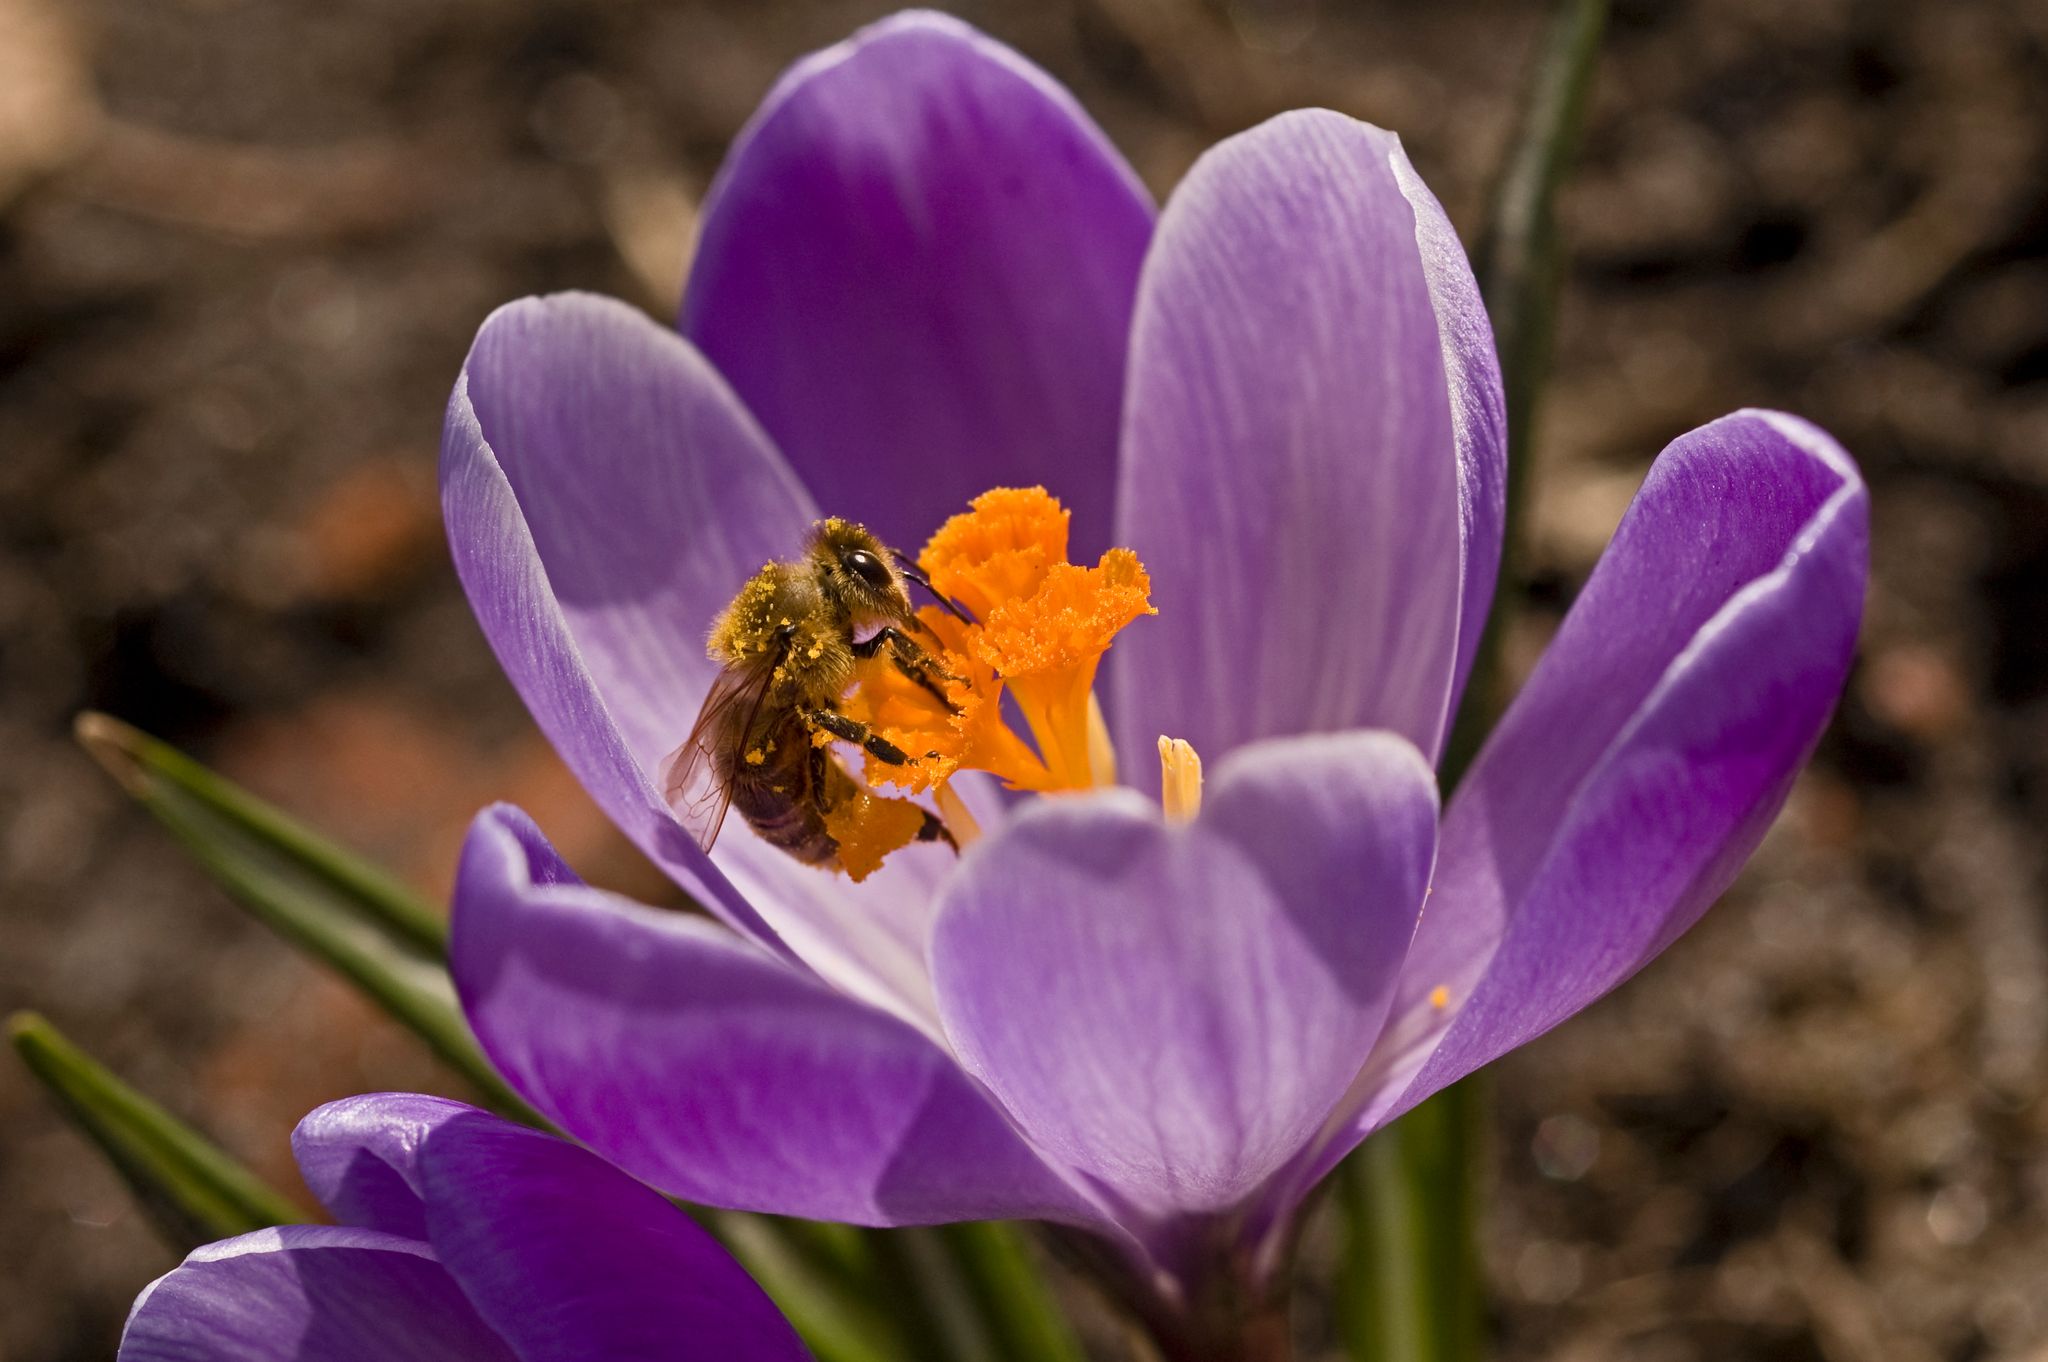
<point>463,1238</point>
<point>924,272</point>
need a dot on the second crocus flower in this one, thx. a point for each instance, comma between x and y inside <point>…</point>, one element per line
<point>462,1238</point>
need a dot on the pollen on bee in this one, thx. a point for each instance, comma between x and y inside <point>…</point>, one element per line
<point>1440,997</point>
<point>817,651</point>
<point>755,756</point>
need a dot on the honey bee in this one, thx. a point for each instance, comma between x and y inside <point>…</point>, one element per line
<point>788,644</point>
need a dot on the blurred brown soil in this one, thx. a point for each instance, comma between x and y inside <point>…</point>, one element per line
<point>242,250</point>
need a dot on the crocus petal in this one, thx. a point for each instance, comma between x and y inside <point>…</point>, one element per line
<point>917,268</point>
<point>606,495</point>
<point>1479,418</point>
<point>1650,750</point>
<point>567,1257</point>
<point>705,1067</point>
<point>360,1157</point>
<point>1174,1010</point>
<point>1291,462</point>
<point>309,1293</point>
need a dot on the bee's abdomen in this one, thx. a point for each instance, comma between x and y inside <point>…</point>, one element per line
<point>780,806</point>
<point>794,828</point>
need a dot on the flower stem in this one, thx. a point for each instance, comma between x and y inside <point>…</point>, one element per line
<point>1222,1309</point>
<point>1411,1203</point>
<point>1261,1336</point>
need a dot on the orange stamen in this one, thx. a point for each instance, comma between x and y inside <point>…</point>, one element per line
<point>1046,647</point>
<point>999,551</point>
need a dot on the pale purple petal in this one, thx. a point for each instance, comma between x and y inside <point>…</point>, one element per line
<point>917,268</point>
<point>1291,465</point>
<point>606,496</point>
<point>567,1257</point>
<point>1478,408</point>
<point>1648,753</point>
<point>698,1063</point>
<point>1175,1009</point>
<point>309,1293</point>
<point>360,1157</point>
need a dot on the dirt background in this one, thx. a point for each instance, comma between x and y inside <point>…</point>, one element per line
<point>244,245</point>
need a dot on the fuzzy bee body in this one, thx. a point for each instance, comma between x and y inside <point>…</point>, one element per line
<point>788,645</point>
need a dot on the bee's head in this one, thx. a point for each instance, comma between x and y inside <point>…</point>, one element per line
<point>856,569</point>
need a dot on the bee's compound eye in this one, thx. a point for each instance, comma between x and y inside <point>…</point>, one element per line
<point>867,567</point>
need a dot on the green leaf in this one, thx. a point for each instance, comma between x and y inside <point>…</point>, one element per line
<point>194,1191</point>
<point>1520,258</point>
<point>1520,266</point>
<point>1008,1287</point>
<point>321,899</point>
<point>154,771</point>
<point>970,1290</point>
<point>821,1276</point>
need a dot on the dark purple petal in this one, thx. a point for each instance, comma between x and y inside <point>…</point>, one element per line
<point>567,1257</point>
<point>606,495</point>
<point>1291,465</point>
<point>360,1157</point>
<point>309,1293</point>
<point>917,268</point>
<point>712,1071</point>
<point>1648,753</point>
<point>1175,1009</point>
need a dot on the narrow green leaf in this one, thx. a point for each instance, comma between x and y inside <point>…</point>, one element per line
<point>927,1298</point>
<point>821,1277</point>
<point>147,768</point>
<point>1009,1289</point>
<point>936,1294</point>
<point>194,1191</point>
<point>1520,266</point>
<point>315,895</point>
<point>1520,257</point>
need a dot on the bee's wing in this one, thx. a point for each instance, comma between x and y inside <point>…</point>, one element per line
<point>693,777</point>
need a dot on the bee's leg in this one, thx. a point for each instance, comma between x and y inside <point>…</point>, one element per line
<point>911,659</point>
<point>857,733</point>
<point>935,830</point>
<point>816,759</point>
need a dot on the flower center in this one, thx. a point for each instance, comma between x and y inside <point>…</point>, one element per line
<point>1035,630</point>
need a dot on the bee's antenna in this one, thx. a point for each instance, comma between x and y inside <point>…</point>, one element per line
<point>914,573</point>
